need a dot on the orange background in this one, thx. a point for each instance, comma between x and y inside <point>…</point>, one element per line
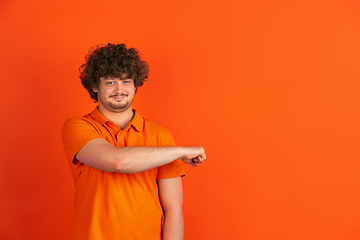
<point>269,88</point>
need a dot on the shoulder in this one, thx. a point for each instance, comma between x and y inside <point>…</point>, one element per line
<point>154,127</point>
<point>76,123</point>
<point>158,132</point>
<point>76,120</point>
<point>76,131</point>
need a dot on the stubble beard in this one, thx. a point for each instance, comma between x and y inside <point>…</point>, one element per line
<point>118,107</point>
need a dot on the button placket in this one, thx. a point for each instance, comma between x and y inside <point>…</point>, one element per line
<point>120,138</point>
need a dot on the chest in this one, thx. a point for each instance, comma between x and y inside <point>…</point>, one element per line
<point>128,137</point>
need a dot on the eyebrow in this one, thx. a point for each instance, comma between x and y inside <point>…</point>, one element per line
<point>110,78</point>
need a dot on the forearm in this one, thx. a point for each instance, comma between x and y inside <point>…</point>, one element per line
<point>101,155</point>
<point>174,225</point>
<point>139,159</point>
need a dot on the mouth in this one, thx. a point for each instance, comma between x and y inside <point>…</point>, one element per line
<point>118,97</point>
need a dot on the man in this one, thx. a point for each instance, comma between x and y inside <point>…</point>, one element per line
<point>126,169</point>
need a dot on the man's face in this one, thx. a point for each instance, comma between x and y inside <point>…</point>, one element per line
<point>116,95</point>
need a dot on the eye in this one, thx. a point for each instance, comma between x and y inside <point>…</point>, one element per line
<point>127,81</point>
<point>110,82</point>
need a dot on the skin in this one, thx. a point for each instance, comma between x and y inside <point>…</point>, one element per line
<point>171,199</point>
<point>115,97</point>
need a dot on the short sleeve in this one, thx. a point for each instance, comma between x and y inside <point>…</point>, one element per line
<point>173,169</point>
<point>76,132</point>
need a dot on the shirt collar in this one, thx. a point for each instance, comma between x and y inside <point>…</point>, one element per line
<point>137,122</point>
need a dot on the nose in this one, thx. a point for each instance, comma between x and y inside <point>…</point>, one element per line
<point>118,88</point>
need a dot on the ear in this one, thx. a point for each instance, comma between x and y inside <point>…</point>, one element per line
<point>95,90</point>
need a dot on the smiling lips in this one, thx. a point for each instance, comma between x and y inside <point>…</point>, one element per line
<point>119,97</point>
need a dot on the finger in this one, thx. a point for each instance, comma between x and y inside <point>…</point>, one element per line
<point>201,158</point>
<point>203,154</point>
<point>194,164</point>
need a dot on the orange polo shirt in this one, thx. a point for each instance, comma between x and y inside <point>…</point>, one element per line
<point>116,205</point>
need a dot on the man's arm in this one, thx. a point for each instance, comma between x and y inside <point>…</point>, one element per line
<point>100,154</point>
<point>171,198</point>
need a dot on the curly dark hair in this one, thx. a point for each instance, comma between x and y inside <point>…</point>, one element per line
<point>112,60</point>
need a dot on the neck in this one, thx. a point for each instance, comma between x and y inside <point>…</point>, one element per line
<point>121,119</point>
